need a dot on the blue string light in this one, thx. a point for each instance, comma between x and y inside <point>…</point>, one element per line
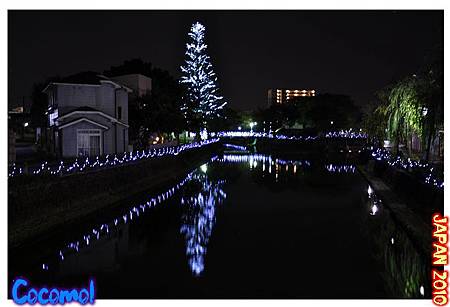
<point>109,160</point>
<point>408,164</point>
<point>128,157</point>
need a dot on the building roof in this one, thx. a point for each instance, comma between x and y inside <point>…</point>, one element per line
<point>82,119</point>
<point>89,110</point>
<point>85,108</point>
<point>87,78</point>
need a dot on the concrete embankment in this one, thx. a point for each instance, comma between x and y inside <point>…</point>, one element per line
<point>415,226</point>
<point>37,206</point>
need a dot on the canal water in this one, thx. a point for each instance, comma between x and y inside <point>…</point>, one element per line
<point>240,226</point>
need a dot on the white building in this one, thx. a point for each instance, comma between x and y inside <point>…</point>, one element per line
<point>140,84</point>
<point>88,115</point>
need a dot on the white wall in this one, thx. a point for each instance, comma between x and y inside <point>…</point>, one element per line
<point>103,98</point>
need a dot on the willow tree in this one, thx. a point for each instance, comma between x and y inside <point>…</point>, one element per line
<point>404,112</point>
<point>415,105</point>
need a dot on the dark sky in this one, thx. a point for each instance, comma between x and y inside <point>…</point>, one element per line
<point>342,52</point>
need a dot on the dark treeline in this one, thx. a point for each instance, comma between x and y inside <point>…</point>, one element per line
<point>319,113</point>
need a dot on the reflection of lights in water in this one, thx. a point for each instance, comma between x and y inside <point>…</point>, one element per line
<point>254,159</point>
<point>392,241</point>
<point>199,219</point>
<point>374,209</point>
<point>103,230</point>
<point>375,203</point>
<point>235,158</point>
<point>422,291</point>
<point>235,147</point>
<point>204,168</point>
<point>369,191</point>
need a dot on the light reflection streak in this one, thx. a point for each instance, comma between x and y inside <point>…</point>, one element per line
<point>374,202</point>
<point>405,270</point>
<point>235,147</point>
<point>130,215</point>
<point>253,160</point>
<point>199,217</point>
<point>289,165</point>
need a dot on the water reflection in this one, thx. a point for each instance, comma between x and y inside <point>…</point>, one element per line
<point>160,242</point>
<point>200,198</point>
<point>405,269</point>
<point>266,163</point>
<point>276,170</point>
<point>114,226</point>
<point>200,195</point>
<point>373,202</point>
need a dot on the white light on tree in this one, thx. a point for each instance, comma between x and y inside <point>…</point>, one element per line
<point>203,101</point>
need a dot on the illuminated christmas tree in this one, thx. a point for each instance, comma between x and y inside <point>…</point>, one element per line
<point>202,102</point>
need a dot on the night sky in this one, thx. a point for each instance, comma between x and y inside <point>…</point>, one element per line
<point>342,52</point>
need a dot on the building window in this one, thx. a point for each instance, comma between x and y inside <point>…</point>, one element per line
<point>88,142</point>
<point>53,117</point>
<point>119,113</point>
